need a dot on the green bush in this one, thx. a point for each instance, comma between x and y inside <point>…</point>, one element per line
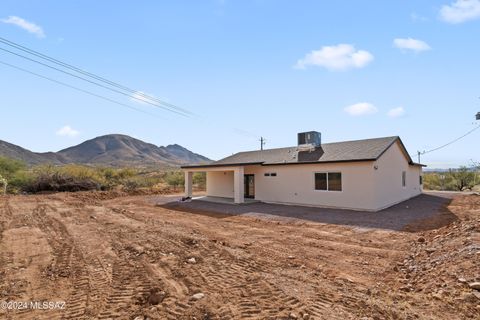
<point>80,177</point>
<point>454,180</point>
<point>200,180</point>
<point>13,173</point>
<point>8,167</point>
<point>175,179</point>
<point>463,179</point>
<point>19,181</point>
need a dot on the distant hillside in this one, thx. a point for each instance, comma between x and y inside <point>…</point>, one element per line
<point>109,150</point>
<point>185,154</point>
<point>15,152</point>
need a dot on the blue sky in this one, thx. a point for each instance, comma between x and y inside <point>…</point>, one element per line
<point>349,69</point>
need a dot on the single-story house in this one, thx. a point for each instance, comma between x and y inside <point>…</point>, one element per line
<point>370,174</point>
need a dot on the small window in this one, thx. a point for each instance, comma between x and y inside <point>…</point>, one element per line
<point>267,174</point>
<point>404,179</point>
<point>274,174</point>
<point>321,181</point>
<point>421,180</point>
<point>334,181</point>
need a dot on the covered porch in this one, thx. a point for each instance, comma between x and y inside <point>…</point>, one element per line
<point>227,183</point>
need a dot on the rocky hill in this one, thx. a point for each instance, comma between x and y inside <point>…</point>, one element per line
<point>108,150</point>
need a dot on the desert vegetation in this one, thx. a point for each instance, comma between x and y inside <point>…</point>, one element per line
<point>20,178</point>
<point>461,179</point>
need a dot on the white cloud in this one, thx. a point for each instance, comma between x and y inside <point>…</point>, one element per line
<point>417,18</point>
<point>460,11</point>
<point>336,58</point>
<point>67,131</point>
<point>411,44</point>
<point>396,112</point>
<point>361,109</point>
<point>25,25</point>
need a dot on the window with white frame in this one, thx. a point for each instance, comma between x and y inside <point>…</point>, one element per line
<point>328,181</point>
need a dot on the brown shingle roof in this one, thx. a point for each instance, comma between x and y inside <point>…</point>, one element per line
<point>357,150</point>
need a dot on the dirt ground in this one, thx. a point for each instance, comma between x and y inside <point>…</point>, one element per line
<point>139,257</point>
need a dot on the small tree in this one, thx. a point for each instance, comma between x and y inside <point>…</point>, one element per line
<point>175,179</point>
<point>463,178</point>
<point>200,180</point>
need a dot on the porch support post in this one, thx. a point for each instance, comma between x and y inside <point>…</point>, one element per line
<point>238,185</point>
<point>188,183</point>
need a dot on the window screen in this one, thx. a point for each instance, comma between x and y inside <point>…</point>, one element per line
<point>320,181</point>
<point>334,181</point>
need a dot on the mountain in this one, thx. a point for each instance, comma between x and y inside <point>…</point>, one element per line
<point>108,150</point>
<point>185,154</point>
<point>15,152</point>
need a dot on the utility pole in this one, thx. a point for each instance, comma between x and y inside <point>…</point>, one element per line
<point>419,153</point>
<point>262,142</point>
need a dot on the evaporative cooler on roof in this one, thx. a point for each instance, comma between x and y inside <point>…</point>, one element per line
<point>311,137</point>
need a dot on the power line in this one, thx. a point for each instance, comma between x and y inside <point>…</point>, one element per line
<point>134,94</point>
<point>99,84</point>
<point>78,89</point>
<point>87,80</point>
<point>447,144</point>
<point>89,74</point>
<point>451,142</point>
<point>71,67</point>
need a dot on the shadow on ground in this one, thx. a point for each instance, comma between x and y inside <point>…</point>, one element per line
<point>424,212</point>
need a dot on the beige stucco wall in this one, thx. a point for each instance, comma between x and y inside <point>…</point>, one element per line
<point>295,184</point>
<point>363,186</point>
<point>388,178</point>
<point>220,184</point>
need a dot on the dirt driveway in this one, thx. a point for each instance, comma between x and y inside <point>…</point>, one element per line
<point>143,257</point>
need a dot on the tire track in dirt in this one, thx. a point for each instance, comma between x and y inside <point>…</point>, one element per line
<point>5,213</point>
<point>99,289</point>
<point>141,275</point>
<point>230,276</point>
<point>129,285</point>
<point>240,278</point>
<point>68,261</point>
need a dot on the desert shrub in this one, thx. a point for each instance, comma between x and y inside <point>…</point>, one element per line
<point>200,180</point>
<point>130,185</point>
<point>454,180</point>
<point>74,177</point>
<point>19,180</point>
<point>60,182</point>
<point>8,167</point>
<point>14,173</point>
<point>175,179</point>
<point>463,178</point>
<point>438,181</point>
<point>57,179</point>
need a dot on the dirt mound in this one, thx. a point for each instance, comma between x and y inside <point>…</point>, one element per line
<point>443,263</point>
